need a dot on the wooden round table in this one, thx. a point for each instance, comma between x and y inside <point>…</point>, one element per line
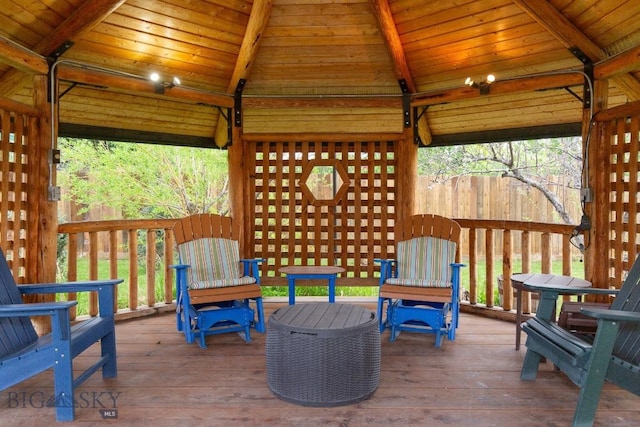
<point>519,280</point>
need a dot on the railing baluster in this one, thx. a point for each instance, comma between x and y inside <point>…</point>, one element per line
<point>473,270</point>
<point>72,270</point>
<point>151,268</point>
<point>168,271</point>
<point>526,268</point>
<point>489,257</point>
<point>93,271</point>
<point>113,264</point>
<point>133,269</point>
<point>507,294</point>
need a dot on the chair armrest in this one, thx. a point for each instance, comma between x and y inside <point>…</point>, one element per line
<point>386,268</point>
<point>35,309</point>
<point>64,287</point>
<point>103,287</point>
<point>250,267</point>
<point>617,315</point>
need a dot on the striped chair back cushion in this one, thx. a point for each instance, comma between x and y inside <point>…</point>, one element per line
<point>215,263</point>
<point>425,262</point>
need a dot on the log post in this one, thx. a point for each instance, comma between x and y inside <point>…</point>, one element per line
<point>42,216</point>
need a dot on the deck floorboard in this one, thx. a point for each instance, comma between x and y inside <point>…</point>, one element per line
<point>163,381</point>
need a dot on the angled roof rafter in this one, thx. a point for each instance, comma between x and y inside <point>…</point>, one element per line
<point>84,18</point>
<point>571,37</point>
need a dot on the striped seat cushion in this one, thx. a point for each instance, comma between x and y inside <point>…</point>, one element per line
<point>424,262</point>
<point>215,263</point>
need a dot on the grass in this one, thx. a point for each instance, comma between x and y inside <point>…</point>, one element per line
<point>270,291</point>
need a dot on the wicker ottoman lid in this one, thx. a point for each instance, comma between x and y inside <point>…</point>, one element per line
<point>324,320</point>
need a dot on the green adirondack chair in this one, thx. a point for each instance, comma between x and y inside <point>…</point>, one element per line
<point>613,355</point>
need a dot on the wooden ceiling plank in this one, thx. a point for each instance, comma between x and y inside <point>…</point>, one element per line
<point>83,19</point>
<point>556,23</point>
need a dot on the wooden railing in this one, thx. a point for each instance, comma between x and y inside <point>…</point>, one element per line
<point>145,234</point>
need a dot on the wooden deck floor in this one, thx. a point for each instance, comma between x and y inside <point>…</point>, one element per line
<point>473,381</point>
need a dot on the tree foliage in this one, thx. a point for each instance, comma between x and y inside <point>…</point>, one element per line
<point>535,163</point>
<point>143,180</point>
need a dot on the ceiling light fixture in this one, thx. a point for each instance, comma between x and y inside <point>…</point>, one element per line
<point>159,86</point>
<point>482,86</point>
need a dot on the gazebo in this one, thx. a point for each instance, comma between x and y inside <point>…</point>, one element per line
<point>292,87</point>
<point>286,86</point>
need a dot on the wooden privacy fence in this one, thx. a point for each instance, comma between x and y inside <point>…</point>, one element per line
<point>156,258</point>
<point>498,198</point>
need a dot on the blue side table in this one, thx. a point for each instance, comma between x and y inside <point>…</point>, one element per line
<point>325,272</point>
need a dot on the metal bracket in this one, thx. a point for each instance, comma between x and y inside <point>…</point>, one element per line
<point>588,70</point>
<point>406,103</point>
<point>237,103</point>
<point>416,117</point>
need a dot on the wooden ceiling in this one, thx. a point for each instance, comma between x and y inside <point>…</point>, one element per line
<point>302,67</point>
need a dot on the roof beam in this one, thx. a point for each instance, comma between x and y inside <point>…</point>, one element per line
<point>21,58</point>
<point>624,62</point>
<point>131,84</point>
<point>501,87</point>
<point>392,40</point>
<point>389,31</point>
<point>260,13</point>
<point>570,36</point>
<point>82,20</point>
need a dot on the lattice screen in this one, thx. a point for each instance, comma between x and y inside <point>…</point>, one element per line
<point>324,204</point>
<point>13,190</point>
<point>624,182</point>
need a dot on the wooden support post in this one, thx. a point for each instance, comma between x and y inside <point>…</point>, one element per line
<point>597,157</point>
<point>238,183</point>
<point>406,174</point>
<point>42,222</point>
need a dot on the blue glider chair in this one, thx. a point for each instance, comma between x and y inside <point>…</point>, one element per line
<point>421,287</point>
<point>214,287</point>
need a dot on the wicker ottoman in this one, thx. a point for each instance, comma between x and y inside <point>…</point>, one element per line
<point>323,354</point>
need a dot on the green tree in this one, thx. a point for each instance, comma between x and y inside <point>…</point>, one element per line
<point>144,180</point>
<point>530,162</point>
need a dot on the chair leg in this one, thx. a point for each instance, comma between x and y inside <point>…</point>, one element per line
<point>260,326</point>
<point>108,348</point>
<point>381,323</point>
<point>63,387</point>
<point>530,366</point>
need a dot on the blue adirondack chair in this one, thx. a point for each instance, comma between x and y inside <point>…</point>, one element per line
<point>613,355</point>
<point>24,354</point>
<point>421,287</point>
<point>214,287</point>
